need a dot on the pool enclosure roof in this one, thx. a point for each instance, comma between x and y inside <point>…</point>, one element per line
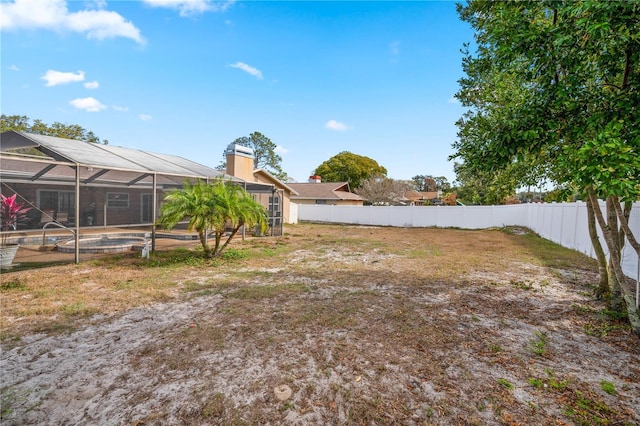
<point>99,165</point>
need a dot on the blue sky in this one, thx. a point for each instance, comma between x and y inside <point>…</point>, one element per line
<point>189,77</point>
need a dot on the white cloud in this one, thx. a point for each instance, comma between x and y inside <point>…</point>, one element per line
<point>281,150</point>
<point>120,108</point>
<point>98,4</point>
<point>91,85</point>
<point>102,24</point>
<point>13,68</point>
<point>88,104</point>
<point>54,15</point>
<point>336,125</point>
<point>33,14</point>
<point>394,47</point>
<point>192,7</point>
<point>55,78</point>
<point>249,69</point>
<point>145,117</point>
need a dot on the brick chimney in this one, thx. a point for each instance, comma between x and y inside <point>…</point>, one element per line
<point>240,161</point>
<point>315,179</point>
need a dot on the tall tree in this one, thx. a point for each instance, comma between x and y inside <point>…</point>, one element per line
<point>483,188</point>
<point>555,86</point>
<point>211,207</point>
<point>381,190</point>
<point>442,183</point>
<point>349,167</point>
<point>429,183</point>
<point>22,123</point>
<point>424,183</point>
<point>264,153</point>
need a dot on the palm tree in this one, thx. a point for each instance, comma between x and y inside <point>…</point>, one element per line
<point>240,209</point>
<point>212,207</point>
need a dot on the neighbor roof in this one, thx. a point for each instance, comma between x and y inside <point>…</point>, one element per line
<point>420,196</point>
<point>105,164</point>
<point>324,191</point>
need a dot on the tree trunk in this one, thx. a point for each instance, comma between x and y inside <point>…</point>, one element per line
<point>233,233</point>
<point>203,242</point>
<point>218,239</point>
<point>623,217</point>
<point>616,276</point>
<point>603,276</point>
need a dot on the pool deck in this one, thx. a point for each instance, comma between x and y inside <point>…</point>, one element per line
<point>34,252</point>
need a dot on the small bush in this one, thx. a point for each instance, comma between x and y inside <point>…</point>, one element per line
<point>234,254</point>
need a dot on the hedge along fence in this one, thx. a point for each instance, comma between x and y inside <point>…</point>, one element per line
<point>562,223</point>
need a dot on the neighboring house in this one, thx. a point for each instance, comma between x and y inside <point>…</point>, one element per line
<point>415,198</point>
<point>240,164</point>
<point>318,192</point>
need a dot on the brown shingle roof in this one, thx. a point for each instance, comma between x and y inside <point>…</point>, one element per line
<point>419,196</point>
<point>324,191</point>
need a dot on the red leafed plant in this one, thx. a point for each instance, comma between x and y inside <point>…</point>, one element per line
<point>11,213</point>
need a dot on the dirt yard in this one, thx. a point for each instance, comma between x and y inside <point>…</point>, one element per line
<point>327,325</point>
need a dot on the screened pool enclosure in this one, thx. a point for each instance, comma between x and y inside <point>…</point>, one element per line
<point>78,187</point>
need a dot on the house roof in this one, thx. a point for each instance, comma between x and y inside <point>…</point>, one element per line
<point>275,180</point>
<point>420,196</point>
<point>99,164</point>
<point>324,191</point>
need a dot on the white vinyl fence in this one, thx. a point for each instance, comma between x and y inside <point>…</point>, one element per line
<point>562,223</point>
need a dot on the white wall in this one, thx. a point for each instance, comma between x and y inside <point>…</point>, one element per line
<point>293,213</point>
<point>562,223</point>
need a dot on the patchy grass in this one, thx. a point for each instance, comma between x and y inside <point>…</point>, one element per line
<point>13,284</point>
<point>538,345</point>
<point>267,291</point>
<point>608,387</point>
<point>366,325</point>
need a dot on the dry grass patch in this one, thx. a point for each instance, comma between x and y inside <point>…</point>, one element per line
<point>366,325</point>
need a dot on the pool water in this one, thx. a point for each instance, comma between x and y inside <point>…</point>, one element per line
<point>101,245</point>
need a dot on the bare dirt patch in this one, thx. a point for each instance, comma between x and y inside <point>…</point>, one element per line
<point>363,325</point>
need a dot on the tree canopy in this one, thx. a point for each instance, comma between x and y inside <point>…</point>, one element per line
<point>554,84</point>
<point>429,183</point>
<point>381,190</point>
<point>553,91</point>
<point>22,123</point>
<point>264,153</point>
<point>349,167</point>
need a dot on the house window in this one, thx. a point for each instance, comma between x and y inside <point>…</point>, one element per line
<point>117,199</point>
<point>321,201</point>
<point>61,201</point>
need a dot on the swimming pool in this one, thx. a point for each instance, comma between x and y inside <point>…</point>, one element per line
<point>103,244</point>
